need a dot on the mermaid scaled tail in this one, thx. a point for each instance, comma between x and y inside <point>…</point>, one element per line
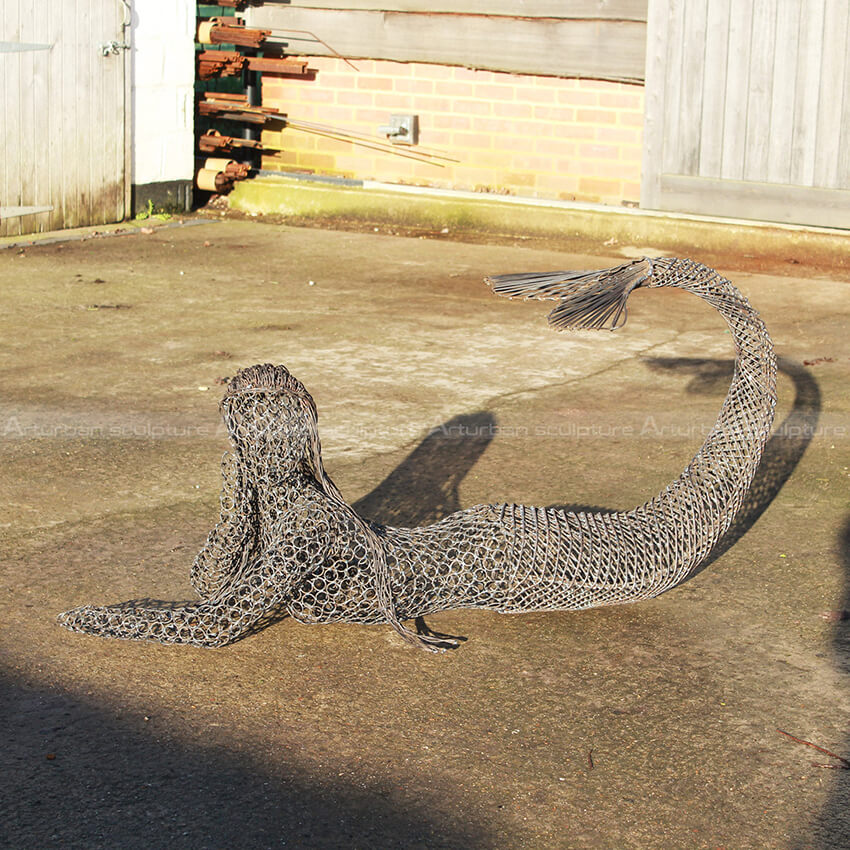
<point>633,555</point>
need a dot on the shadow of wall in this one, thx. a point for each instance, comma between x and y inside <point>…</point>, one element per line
<point>121,782</point>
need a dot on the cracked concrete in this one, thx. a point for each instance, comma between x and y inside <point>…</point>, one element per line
<point>642,726</point>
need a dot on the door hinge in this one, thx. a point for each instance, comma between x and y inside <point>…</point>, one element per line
<point>19,47</point>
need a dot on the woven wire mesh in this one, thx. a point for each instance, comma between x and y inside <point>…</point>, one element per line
<point>288,543</point>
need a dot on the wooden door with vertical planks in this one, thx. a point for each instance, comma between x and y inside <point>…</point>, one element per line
<point>748,109</point>
<point>63,113</point>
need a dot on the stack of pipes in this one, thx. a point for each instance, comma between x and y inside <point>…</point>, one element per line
<point>229,63</point>
<point>230,31</point>
<point>219,63</point>
<point>231,106</point>
<point>235,107</point>
<point>217,174</point>
<point>214,142</point>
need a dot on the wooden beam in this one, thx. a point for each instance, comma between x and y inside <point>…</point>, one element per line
<point>622,10</point>
<point>751,200</point>
<point>593,48</point>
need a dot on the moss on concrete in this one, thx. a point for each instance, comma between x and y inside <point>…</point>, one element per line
<point>306,202</point>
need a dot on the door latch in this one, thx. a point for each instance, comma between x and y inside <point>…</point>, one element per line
<point>113,48</point>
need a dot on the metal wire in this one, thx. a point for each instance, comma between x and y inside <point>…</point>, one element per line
<point>372,144</point>
<point>288,543</point>
<point>342,134</point>
<point>278,34</point>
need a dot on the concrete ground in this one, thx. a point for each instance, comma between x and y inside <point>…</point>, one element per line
<point>643,726</point>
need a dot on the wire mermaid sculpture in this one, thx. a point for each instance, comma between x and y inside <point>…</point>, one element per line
<point>288,543</point>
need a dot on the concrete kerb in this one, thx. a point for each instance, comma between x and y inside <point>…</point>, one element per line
<point>132,227</point>
<point>302,201</point>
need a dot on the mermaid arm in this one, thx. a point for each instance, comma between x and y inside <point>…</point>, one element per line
<point>240,604</point>
<point>224,552</point>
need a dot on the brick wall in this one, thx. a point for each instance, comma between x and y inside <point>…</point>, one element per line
<point>542,137</point>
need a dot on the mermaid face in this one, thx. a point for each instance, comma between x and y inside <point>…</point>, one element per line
<point>271,419</point>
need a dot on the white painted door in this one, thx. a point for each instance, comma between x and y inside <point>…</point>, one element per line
<point>62,113</point>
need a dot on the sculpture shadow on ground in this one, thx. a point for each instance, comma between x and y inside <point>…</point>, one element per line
<point>81,775</point>
<point>782,452</point>
<point>112,783</point>
<point>842,627</point>
<point>423,488</point>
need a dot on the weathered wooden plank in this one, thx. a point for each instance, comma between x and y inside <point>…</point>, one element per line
<point>39,190</point>
<point>600,49</point>
<point>106,145</point>
<point>56,115</point>
<point>10,94</point>
<point>5,193</point>
<point>675,50</point>
<point>737,84</point>
<point>760,91</point>
<point>86,107</point>
<point>843,176</point>
<point>26,125</point>
<point>804,139</point>
<point>17,212</point>
<point>691,85</point>
<point>752,200</point>
<point>108,183</point>
<point>96,138</point>
<point>624,10</point>
<point>655,103</point>
<point>785,61</point>
<point>126,199</point>
<point>67,158</point>
<point>7,196</point>
<point>833,69</point>
<point>714,88</point>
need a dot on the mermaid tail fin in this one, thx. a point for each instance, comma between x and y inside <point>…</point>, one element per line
<point>590,300</point>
